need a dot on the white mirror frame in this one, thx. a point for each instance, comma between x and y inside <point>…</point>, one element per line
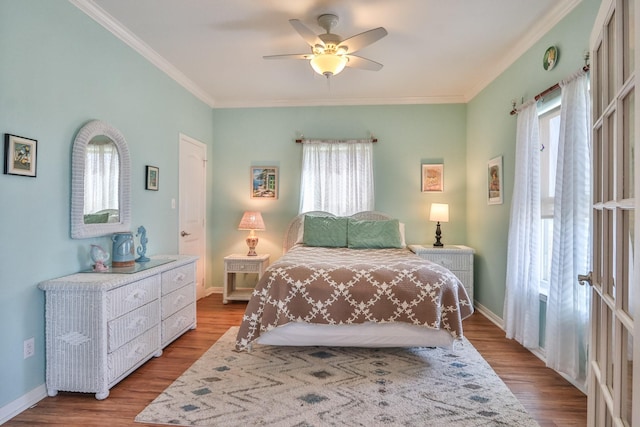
<point>80,230</point>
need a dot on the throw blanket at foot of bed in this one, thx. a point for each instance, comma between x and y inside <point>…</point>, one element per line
<point>350,286</point>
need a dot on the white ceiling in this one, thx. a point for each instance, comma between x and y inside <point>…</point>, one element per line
<point>437,51</point>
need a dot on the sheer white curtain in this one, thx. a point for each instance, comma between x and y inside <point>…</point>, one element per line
<point>568,302</point>
<point>337,176</point>
<point>522,299</point>
<point>102,167</point>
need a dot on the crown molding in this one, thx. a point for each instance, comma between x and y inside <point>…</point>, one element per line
<point>95,12</point>
<point>221,103</point>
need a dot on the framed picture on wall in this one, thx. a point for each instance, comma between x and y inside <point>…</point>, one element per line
<point>20,155</point>
<point>264,182</point>
<point>494,181</point>
<point>432,178</point>
<point>152,181</point>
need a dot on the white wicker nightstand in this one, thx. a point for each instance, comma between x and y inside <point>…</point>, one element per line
<point>457,258</point>
<point>234,264</point>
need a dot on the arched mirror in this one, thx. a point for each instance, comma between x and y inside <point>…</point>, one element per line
<point>100,182</point>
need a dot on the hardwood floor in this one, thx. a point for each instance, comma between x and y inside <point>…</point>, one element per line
<point>550,399</point>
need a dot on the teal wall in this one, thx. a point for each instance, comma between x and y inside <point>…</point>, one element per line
<point>60,69</point>
<point>491,132</point>
<point>407,136</point>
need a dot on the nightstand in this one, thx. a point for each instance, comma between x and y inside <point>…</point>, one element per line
<point>234,264</point>
<point>457,258</point>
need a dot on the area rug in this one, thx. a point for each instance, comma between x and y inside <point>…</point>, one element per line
<point>332,386</point>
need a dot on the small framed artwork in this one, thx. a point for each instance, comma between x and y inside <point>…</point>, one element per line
<point>264,182</point>
<point>494,181</point>
<point>432,178</point>
<point>20,155</point>
<point>152,178</point>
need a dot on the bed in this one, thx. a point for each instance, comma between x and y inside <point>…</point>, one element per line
<point>351,281</point>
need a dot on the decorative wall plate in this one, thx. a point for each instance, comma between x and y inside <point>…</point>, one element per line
<point>550,59</point>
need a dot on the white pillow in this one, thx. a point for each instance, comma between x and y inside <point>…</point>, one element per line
<point>300,238</point>
<point>402,239</point>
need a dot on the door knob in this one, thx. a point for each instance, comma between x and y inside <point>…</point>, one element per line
<point>582,279</point>
<point>184,233</point>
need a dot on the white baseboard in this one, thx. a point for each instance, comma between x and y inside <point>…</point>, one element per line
<point>213,290</point>
<point>489,315</point>
<point>22,403</point>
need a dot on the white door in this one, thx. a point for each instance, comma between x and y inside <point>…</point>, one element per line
<point>192,205</point>
<point>614,379</point>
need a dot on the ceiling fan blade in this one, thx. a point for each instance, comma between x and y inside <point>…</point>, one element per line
<point>363,63</point>
<point>357,42</point>
<point>290,56</point>
<point>309,36</point>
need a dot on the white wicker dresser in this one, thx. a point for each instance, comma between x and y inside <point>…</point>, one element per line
<point>100,327</point>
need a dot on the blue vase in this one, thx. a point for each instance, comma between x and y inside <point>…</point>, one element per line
<point>123,254</point>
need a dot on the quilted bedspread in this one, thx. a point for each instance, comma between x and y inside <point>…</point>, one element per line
<point>344,286</point>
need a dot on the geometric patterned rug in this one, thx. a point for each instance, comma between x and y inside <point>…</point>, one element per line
<point>337,386</point>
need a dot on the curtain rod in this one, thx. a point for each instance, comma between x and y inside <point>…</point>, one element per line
<point>545,92</point>
<point>303,139</point>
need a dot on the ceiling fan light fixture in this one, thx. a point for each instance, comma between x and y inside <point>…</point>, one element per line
<point>328,64</point>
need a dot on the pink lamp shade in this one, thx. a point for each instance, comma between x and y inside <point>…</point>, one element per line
<point>252,221</point>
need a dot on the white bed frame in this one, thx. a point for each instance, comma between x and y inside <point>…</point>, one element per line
<point>356,335</point>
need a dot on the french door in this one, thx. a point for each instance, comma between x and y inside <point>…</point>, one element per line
<point>614,379</point>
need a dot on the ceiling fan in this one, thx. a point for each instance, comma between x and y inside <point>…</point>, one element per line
<point>329,53</point>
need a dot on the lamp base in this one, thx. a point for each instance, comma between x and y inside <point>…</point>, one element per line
<point>438,243</point>
<point>252,242</point>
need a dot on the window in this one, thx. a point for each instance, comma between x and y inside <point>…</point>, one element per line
<point>337,177</point>
<point>549,120</point>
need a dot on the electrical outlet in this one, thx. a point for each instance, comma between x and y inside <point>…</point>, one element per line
<point>29,347</point>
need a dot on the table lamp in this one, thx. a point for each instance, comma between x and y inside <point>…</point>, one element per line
<point>439,213</point>
<point>252,221</point>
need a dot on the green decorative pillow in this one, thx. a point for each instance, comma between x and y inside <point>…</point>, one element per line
<point>367,234</point>
<point>96,218</point>
<point>327,231</point>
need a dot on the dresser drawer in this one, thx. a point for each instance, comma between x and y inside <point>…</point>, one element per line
<point>451,261</point>
<point>177,299</point>
<point>132,353</point>
<point>174,325</point>
<point>129,297</point>
<point>177,278</point>
<point>125,328</point>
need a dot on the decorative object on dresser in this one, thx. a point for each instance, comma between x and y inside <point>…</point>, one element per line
<point>234,264</point>
<point>123,250</point>
<point>457,258</point>
<point>439,213</point>
<point>252,221</point>
<point>100,327</point>
<point>99,257</point>
<point>142,249</point>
